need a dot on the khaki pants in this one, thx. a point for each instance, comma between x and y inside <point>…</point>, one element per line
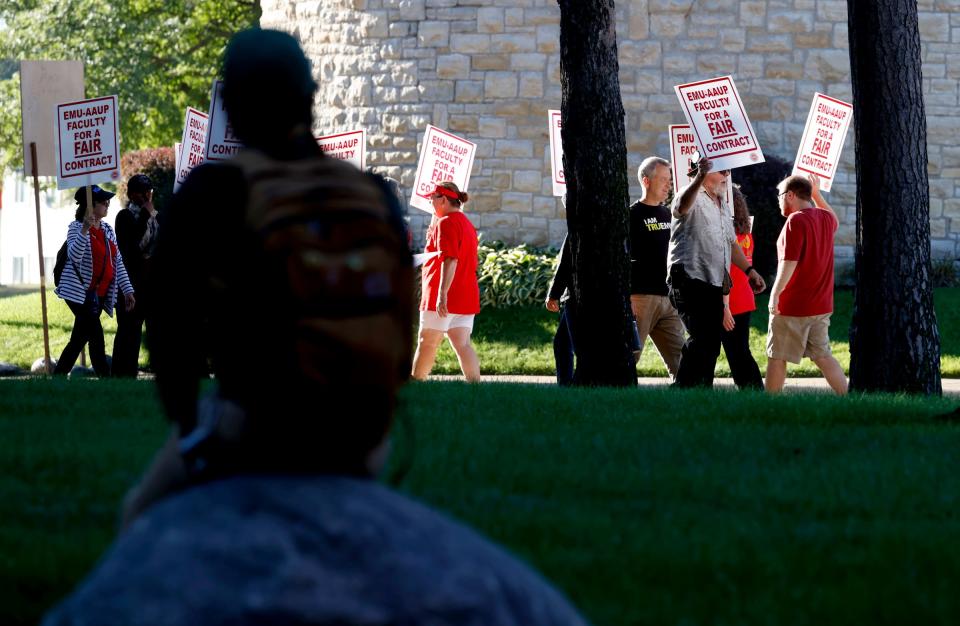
<point>658,318</point>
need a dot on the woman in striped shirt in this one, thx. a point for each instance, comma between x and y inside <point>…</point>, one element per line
<point>90,278</point>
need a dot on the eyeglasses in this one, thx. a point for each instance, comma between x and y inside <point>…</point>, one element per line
<point>783,193</point>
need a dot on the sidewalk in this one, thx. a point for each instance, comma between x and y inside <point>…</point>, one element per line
<point>951,386</point>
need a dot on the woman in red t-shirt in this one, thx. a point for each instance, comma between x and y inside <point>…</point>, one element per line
<point>450,292</point>
<point>738,305</point>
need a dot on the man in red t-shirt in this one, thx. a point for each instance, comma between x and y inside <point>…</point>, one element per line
<point>801,301</point>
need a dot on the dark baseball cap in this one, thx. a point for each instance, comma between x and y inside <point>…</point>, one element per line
<point>99,195</point>
<point>139,183</point>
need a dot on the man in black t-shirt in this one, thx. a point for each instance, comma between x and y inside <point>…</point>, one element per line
<point>649,238</point>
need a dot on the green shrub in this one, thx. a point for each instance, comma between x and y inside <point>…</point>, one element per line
<point>514,276</point>
<point>157,163</point>
<point>944,273</point>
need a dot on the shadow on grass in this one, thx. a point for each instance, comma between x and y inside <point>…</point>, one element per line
<point>8,291</point>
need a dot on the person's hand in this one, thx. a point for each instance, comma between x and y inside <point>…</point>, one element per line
<point>148,203</point>
<point>129,301</point>
<point>728,323</point>
<point>703,168</point>
<point>552,304</point>
<point>442,305</point>
<point>774,305</point>
<point>88,222</point>
<point>815,183</point>
<point>756,281</point>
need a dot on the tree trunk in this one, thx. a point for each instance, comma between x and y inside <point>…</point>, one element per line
<point>595,168</point>
<point>894,341</point>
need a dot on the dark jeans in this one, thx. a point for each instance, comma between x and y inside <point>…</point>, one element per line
<point>126,345</point>
<point>563,348</point>
<point>86,328</point>
<point>700,306</point>
<point>736,344</point>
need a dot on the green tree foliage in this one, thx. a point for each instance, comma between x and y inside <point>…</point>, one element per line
<point>159,56</point>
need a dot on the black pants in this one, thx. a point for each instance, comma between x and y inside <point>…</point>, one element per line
<point>700,306</point>
<point>126,345</point>
<point>563,348</point>
<point>86,328</point>
<point>736,345</point>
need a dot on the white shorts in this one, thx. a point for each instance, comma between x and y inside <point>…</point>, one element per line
<point>430,319</point>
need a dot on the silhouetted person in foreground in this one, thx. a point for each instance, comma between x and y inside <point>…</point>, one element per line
<point>261,508</point>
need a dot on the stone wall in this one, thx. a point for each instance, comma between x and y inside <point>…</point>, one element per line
<point>488,70</point>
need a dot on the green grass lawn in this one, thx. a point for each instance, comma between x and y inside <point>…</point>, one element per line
<point>508,341</point>
<point>645,506</point>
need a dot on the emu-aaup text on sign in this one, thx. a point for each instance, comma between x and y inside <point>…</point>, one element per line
<point>88,144</point>
<point>823,138</point>
<point>222,144</point>
<point>443,157</point>
<point>193,145</point>
<point>350,146</point>
<point>716,115</point>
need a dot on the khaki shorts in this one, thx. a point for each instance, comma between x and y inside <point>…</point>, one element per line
<point>432,321</point>
<point>792,338</point>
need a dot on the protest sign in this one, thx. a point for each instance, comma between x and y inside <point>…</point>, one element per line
<point>88,146</point>
<point>177,147</point>
<point>556,153</point>
<point>720,126</point>
<point>683,154</point>
<point>443,157</point>
<point>221,142</point>
<point>823,138</point>
<point>44,84</point>
<point>350,146</point>
<point>192,146</point>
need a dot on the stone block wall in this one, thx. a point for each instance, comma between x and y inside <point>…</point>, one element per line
<point>489,70</point>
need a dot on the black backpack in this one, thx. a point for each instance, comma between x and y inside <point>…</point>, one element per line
<point>60,264</point>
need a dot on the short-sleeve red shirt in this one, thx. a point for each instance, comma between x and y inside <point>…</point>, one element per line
<point>807,238</point>
<point>454,237</point>
<point>741,294</point>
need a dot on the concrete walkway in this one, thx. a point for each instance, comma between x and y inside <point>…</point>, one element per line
<point>951,386</point>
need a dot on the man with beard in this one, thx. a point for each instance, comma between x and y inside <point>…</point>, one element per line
<point>702,245</point>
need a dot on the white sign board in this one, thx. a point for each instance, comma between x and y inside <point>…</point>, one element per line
<point>823,138</point>
<point>443,157</point>
<point>221,143</point>
<point>192,146</point>
<point>683,154</point>
<point>350,146</point>
<point>44,84</point>
<point>556,153</point>
<point>88,145</point>
<point>719,122</point>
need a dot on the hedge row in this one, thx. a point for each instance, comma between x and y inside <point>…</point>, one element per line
<point>511,276</point>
